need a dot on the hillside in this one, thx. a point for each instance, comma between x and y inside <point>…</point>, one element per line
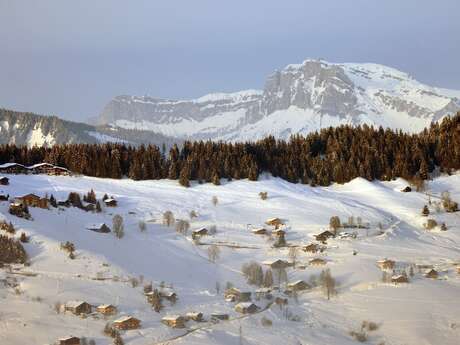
<point>298,99</point>
<point>423,311</point>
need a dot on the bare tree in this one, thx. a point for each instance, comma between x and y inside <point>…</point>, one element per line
<point>328,283</point>
<point>168,218</point>
<point>292,254</point>
<point>182,226</point>
<point>213,253</point>
<point>253,272</point>
<point>142,226</point>
<point>118,226</point>
<point>268,278</point>
<point>214,200</point>
<point>334,223</point>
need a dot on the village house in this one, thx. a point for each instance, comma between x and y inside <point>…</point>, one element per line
<point>246,308</point>
<point>317,262</point>
<point>48,169</point>
<point>107,309</point>
<point>69,341</point>
<point>13,168</point>
<point>101,228</point>
<point>386,264</point>
<point>110,202</point>
<point>324,236</point>
<point>263,293</point>
<point>276,222</point>
<point>4,181</point>
<point>34,201</point>
<point>259,231</point>
<point>126,322</point>
<point>276,264</point>
<point>168,294</point>
<point>219,316</point>
<point>195,316</point>
<point>431,274</point>
<point>233,294</point>
<point>311,248</point>
<point>298,285</point>
<point>199,233</point>
<point>78,307</point>
<point>19,209</point>
<point>174,321</point>
<point>398,279</point>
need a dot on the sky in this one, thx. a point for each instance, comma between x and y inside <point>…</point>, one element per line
<point>69,58</point>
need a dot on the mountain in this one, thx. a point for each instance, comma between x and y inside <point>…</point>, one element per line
<point>31,129</point>
<point>296,100</point>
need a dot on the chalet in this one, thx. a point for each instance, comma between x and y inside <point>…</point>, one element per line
<point>107,309</point>
<point>110,202</point>
<point>264,293</point>
<point>246,308</point>
<point>431,274</point>
<point>195,316</point>
<point>276,264</point>
<point>48,169</point>
<point>101,228</point>
<point>311,248</point>
<point>174,321</point>
<point>69,341</point>
<point>4,197</point>
<point>199,233</point>
<point>259,231</point>
<point>13,168</point>
<point>386,264</point>
<point>324,236</point>
<point>19,209</point>
<point>276,222</point>
<point>406,189</point>
<point>78,307</point>
<point>126,322</point>
<point>234,294</point>
<point>34,200</point>
<point>4,181</point>
<point>168,294</point>
<point>298,285</point>
<point>398,279</point>
<point>317,262</point>
<point>219,316</point>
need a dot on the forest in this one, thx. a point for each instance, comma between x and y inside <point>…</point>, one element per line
<point>321,158</point>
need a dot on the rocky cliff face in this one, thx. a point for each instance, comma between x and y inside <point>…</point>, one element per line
<point>298,99</point>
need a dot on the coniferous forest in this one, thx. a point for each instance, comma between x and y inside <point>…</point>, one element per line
<point>331,155</point>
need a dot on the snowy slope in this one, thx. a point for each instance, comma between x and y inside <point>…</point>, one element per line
<point>422,312</point>
<point>295,100</point>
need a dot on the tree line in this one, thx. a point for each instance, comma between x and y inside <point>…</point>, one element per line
<point>331,155</point>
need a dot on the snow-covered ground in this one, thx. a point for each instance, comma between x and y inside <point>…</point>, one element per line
<point>425,311</point>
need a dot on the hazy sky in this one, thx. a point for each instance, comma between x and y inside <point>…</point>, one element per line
<point>69,58</point>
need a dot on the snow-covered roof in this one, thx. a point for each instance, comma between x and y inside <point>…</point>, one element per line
<point>172,317</point>
<point>104,306</point>
<point>95,226</point>
<point>39,165</point>
<point>124,319</point>
<point>298,282</point>
<point>109,200</point>
<point>74,304</point>
<point>245,304</point>
<point>271,262</point>
<point>200,230</point>
<point>8,165</point>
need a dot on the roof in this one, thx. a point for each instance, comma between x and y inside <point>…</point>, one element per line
<point>8,165</point>
<point>74,304</point>
<point>172,317</point>
<point>29,195</point>
<point>271,262</point>
<point>273,219</point>
<point>3,177</point>
<point>200,230</point>
<point>298,282</point>
<point>68,338</point>
<point>245,305</point>
<point>109,200</point>
<point>95,226</point>
<point>105,306</point>
<point>40,165</point>
<point>124,319</point>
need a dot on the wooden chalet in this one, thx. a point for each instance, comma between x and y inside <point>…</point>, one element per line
<point>276,264</point>
<point>324,236</point>
<point>107,309</point>
<point>48,169</point>
<point>233,294</point>
<point>194,316</point>
<point>168,294</point>
<point>101,228</point>
<point>246,308</point>
<point>174,321</point>
<point>276,222</point>
<point>69,341</point>
<point>431,274</point>
<point>264,293</point>
<point>4,181</point>
<point>199,233</point>
<point>386,264</point>
<point>317,262</point>
<point>34,201</point>
<point>78,307</point>
<point>19,209</point>
<point>259,231</point>
<point>13,168</point>
<point>311,248</point>
<point>219,316</point>
<point>126,322</point>
<point>398,279</point>
<point>298,285</point>
<point>110,202</point>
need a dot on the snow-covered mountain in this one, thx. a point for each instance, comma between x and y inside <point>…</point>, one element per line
<point>298,99</point>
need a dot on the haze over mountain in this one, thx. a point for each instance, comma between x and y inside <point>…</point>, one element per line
<point>298,99</point>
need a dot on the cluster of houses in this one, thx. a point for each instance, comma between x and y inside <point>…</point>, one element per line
<point>40,168</point>
<point>388,265</point>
